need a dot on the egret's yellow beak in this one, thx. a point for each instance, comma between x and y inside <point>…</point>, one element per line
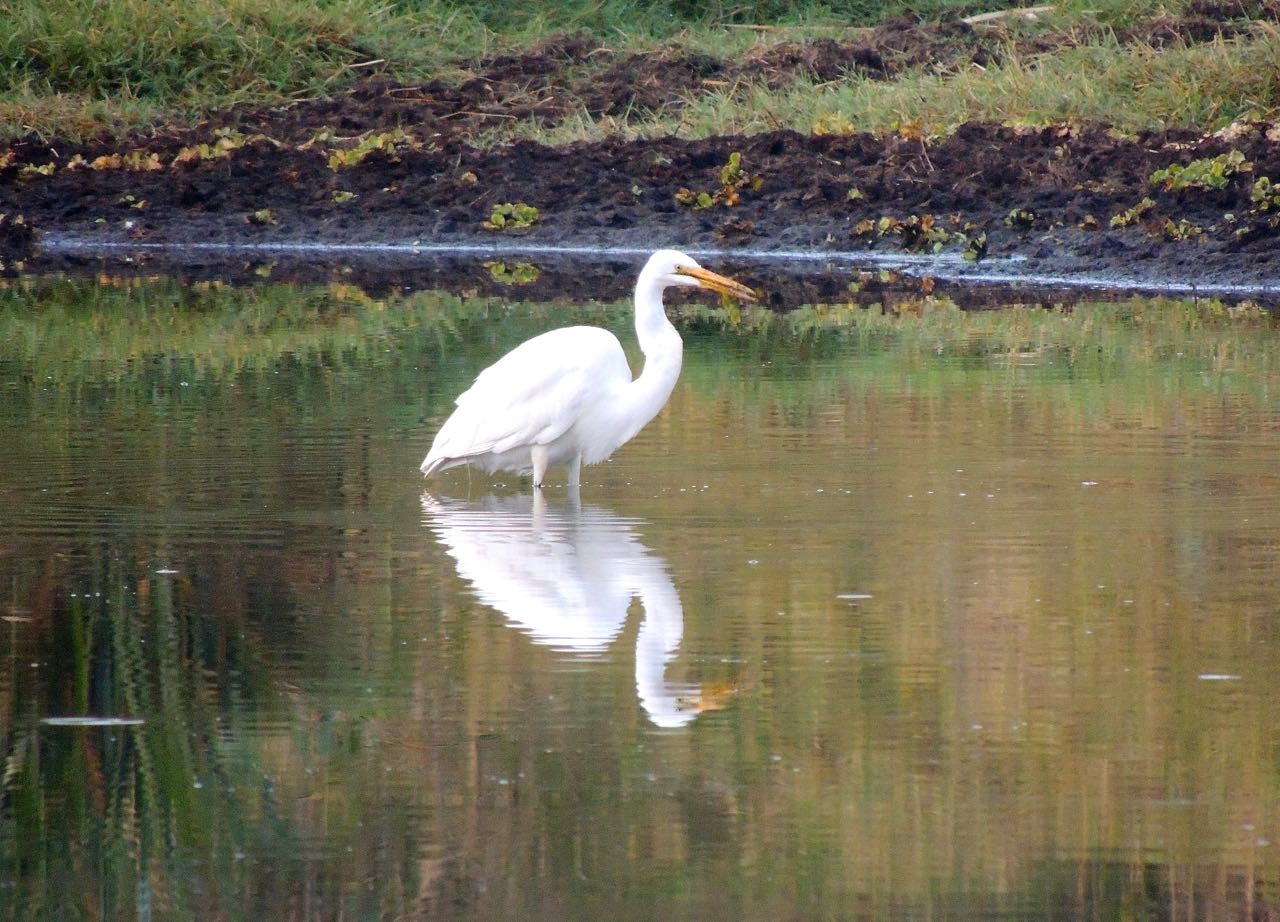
<point>715,697</point>
<point>719,283</point>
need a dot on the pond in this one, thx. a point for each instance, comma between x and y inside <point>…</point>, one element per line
<point>889,615</point>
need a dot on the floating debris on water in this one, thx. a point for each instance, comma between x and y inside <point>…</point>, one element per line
<point>854,596</point>
<point>90,721</point>
<point>1218,677</point>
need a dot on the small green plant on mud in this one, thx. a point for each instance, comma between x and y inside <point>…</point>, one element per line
<point>695,200</point>
<point>1182,230</point>
<point>30,170</point>
<point>1021,218</point>
<point>1206,173</point>
<point>976,247</point>
<point>387,142</point>
<point>511,216</point>
<point>225,140</point>
<point>733,177</point>
<point>218,150</point>
<point>925,233</point>
<point>513,273</point>
<point>1263,219</point>
<point>263,217</point>
<point>342,195</point>
<point>854,194</point>
<point>1133,215</point>
<point>1265,195</point>
<point>135,161</point>
<point>734,180</point>
<point>921,232</point>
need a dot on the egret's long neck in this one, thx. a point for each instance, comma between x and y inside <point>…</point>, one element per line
<point>663,355</point>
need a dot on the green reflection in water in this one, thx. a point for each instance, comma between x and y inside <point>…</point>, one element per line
<point>1055,701</point>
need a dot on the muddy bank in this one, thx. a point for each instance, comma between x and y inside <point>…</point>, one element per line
<point>784,280</point>
<point>396,164</point>
<point>1060,201</point>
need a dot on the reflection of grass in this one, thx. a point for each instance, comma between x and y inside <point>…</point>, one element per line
<point>102,332</point>
<point>1205,345</point>
<point>105,329</point>
<point>110,816</point>
<point>235,767</point>
<point>939,326</point>
<point>70,333</point>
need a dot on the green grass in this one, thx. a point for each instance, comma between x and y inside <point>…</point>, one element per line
<point>68,64</point>
<point>1130,87</point>
<point>77,67</point>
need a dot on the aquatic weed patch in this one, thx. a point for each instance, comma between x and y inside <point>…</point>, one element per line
<point>1205,173</point>
<point>511,216</point>
<point>734,181</point>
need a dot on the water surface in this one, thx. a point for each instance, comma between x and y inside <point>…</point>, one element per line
<point>931,615</point>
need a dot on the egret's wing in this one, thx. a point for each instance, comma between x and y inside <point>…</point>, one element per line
<point>532,395</point>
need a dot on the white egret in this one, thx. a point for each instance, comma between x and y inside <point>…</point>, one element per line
<point>567,396</point>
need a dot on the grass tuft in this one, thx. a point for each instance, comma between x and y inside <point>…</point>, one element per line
<point>1130,87</point>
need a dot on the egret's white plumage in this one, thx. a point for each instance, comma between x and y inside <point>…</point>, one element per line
<point>567,396</point>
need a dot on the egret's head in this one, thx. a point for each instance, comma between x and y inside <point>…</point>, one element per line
<point>671,267</point>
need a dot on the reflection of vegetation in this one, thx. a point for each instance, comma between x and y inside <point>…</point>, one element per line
<point>1133,355</point>
<point>93,331</point>
<point>78,330</point>
<point>515,273</point>
<point>351,716</point>
<point>104,821</point>
<point>204,810</point>
<point>1135,331</point>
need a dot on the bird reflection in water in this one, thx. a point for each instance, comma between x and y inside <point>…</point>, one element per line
<point>565,576</point>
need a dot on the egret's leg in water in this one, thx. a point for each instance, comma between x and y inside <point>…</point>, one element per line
<point>539,455</point>
<point>574,470</point>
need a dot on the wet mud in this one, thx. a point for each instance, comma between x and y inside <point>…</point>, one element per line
<point>392,163</point>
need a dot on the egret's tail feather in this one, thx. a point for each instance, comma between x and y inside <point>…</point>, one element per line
<point>432,465</point>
